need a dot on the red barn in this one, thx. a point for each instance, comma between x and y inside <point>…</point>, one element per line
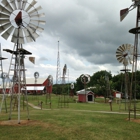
<point>41,86</point>
<point>85,96</point>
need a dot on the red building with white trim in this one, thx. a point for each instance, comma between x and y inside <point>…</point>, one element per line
<point>40,86</point>
<point>85,96</point>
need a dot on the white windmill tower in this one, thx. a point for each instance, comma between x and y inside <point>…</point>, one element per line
<point>19,21</point>
<point>136,32</point>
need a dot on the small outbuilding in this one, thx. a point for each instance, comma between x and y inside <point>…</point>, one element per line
<point>85,96</point>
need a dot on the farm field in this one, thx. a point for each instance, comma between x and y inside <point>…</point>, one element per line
<point>75,121</point>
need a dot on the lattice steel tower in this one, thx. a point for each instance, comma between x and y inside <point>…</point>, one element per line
<point>58,72</point>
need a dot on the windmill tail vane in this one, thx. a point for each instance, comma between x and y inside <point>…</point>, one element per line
<point>32,59</point>
<point>124,12</point>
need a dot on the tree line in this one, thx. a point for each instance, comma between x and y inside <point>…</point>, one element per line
<point>102,83</point>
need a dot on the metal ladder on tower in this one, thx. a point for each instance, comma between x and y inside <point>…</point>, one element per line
<point>18,78</point>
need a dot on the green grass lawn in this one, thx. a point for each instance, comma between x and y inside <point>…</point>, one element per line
<point>77,121</point>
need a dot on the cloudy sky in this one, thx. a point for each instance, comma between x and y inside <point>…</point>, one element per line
<point>89,32</point>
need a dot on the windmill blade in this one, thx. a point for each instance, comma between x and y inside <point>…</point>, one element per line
<point>35,27</point>
<point>27,35</point>
<point>25,32</point>
<point>35,10</point>
<point>124,47</point>
<point>29,39</point>
<point>130,58</point>
<point>38,21</point>
<point>19,4</point>
<point>118,51</point>
<point>125,62</point>
<point>6,34</point>
<point>31,5</point>
<point>13,3</point>
<point>14,36</point>
<point>4,27</point>
<point>119,55</point>
<point>4,10</point>
<point>37,16</point>
<point>120,59</point>
<point>128,46</point>
<point>4,21</point>
<point>121,48</point>
<point>33,34</point>
<point>30,32</point>
<point>24,2</point>
<point>2,15</point>
<point>7,5</point>
<point>132,50</point>
<point>21,37</point>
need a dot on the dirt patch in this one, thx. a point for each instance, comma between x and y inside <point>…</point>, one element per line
<point>133,120</point>
<point>22,122</point>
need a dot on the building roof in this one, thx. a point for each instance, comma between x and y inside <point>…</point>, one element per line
<point>32,80</point>
<point>28,81</point>
<point>83,91</point>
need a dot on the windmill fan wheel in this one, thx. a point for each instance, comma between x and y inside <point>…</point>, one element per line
<point>124,54</point>
<point>21,20</point>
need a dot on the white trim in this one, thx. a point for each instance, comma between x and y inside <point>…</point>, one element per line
<point>34,88</point>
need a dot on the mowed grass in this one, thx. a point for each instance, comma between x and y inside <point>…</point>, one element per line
<point>77,121</point>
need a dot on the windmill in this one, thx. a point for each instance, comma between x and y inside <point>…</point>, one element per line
<point>85,79</point>
<point>36,76</point>
<point>20,22</point>
<point>72,89</point>
<point>108,92</point>
<point>63,101</point>
<point>64,74</point>
<point>135,31</point>
<point>124,55</point>
<point>48,89</point>
<point>58,72</point>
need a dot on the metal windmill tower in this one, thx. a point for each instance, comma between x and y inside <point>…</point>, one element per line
<point>108,92</point>
<point>58,71</point>
<point>63,98</point>
<point>124,55</point>
<point>19,20</point>
<point>85,79</point>
<point>48,89</point>
<point>136,32</point>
